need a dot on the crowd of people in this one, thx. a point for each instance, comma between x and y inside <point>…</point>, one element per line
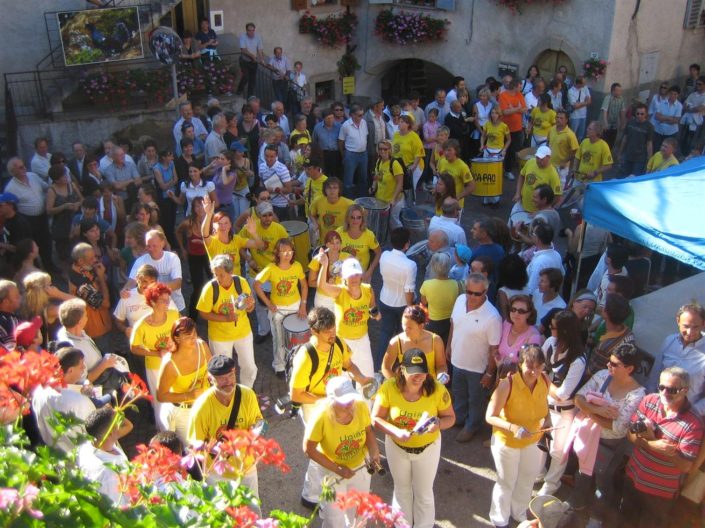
<point>473,334</point>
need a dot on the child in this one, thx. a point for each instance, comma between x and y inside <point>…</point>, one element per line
<point>28,335</point>
<point>459,271</point>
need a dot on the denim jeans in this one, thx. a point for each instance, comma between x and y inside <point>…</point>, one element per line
<point>629,167</point>
<point>354,163</point>
<point>577,125</point>
<point>389,327</point>
<point>469,398</point>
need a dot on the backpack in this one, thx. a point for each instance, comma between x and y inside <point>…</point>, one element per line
<point>216,290</point>
<point>311,351</point>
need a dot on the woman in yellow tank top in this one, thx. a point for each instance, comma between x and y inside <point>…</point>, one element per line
<point>360,241</point>
<point>354,305</point>
<point>414,336</point>
<point>183,375</point>
<point>517,412</point>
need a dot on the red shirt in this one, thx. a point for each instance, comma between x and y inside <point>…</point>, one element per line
<point>507,101</point>
<point>651,473</point>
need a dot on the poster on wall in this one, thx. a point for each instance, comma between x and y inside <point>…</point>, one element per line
<point>100,35</point>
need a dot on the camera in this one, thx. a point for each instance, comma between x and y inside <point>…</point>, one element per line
<point>637,427</point>
<point>375,467</point>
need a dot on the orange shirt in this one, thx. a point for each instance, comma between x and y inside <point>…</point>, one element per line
<point>508,100</point>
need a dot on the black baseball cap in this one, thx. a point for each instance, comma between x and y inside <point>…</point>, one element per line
<point>220,365</point>
<point>414,362</point>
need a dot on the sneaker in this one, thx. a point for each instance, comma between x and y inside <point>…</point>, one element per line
<point>547,489</point>
<point>464,436</point>
<point>509,176</point>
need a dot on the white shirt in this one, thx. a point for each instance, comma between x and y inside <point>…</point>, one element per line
<point>46,401</point>
<point>576,95</point>
<point>690,357</point>
<point>543,258</point>
<point>198,128</point>
<point>474,333</point>
<point>398,277</point>
<point>135,307</point>
<point>40,165</point>
<point>169,269</point>
<point>354,136</point>
<point>192,192</point>
<point>94,464</point>
<point>91,355</point>
<point>542,309</point>
<point>31,196</point>
<point>575,373</point>
<point>106,162</point>
<point>456,234</point>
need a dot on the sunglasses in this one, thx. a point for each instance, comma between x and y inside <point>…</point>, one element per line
<point>670,390</point>
<point>476,294</point>
<point>518,310</point>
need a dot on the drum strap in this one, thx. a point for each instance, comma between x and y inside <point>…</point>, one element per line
<point>216,288</point>
<point>236,407</point>
<point>311,350</point>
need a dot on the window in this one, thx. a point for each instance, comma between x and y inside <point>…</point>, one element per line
<point>694,15</point>
<point>301,5</point>
<point>446,5</point>
<point>325,91</point>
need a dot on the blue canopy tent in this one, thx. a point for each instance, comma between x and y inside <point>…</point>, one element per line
<point>664,211</point>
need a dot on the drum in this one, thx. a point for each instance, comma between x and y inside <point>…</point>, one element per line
<point>298,232</point>
<point>296,332</point>
<point>377,216</point>
<point>488,174</point>
<point>525,155</point>
<point>414,219</point>
<point>420,254</point>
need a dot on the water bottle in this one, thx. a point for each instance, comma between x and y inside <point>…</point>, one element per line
<point>443,378</point>
<point>337,268</point>
<point>240,302</point>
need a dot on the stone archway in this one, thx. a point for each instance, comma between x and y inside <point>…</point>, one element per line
<point>404,76</point>
<point>549,60</point>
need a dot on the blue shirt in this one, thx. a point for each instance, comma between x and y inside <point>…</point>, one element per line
<point>326,138</point>
<point>102,224</point>
<point>494,251</point>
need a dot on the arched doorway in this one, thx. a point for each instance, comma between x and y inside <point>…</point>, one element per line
<point>409,75</point>
<point>550,60</point>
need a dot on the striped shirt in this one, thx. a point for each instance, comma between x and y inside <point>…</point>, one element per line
<point>651,473</point>
<point>269,176</point>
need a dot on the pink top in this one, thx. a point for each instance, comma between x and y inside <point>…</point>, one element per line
<point>430,130</point>
<point>510,354</point>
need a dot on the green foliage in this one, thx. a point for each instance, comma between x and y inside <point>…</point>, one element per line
<point>84,56</point>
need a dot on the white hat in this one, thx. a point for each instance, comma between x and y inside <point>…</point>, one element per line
<point>543,151</point>
<point>340,389</point>
<point>351,266</point>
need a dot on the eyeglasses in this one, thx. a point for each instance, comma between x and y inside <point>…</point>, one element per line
<point>612,364</point>
<point>476,294</point>
<point>670,390</point>
<point>519,310</point>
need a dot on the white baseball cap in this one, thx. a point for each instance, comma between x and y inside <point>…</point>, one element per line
<point>543,151</point>
<point>340,389</point>
<point>351,266</point>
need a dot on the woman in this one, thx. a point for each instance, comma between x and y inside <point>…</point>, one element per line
<point>482,109</point>
<point>286,276</point>
<point>583,305</point>
<point>546,298</point>
<point>609,399</point>
<point>437,154</point>
<point>413,456</point>
<point>250,129</point>
<point>393,123</point>
<point>134,246</point>
<point>166,179</point>
<point>359,241</point>
<point>516,413</point>
<point>565,364</point>
<point>527,84</point>
<point>191,154</point>
<point>89,232</point>
<point>193,250</point>
<point>541,120</point>
<point>231,133</point>
<point>517,331</point>
<point>150,339</point>
<point>146,164</point>
<point>26,254</point>
<point>430,133</point>
<point>62,203</point>
<point>245,176</point>
<point>413,336</point>
<point>354,305</point>
<point>339,438</point>
<point>438,295</point>
<point>445,188</point>
<point>495,136</point>
<point>94,178</point>
<point>43,299</point>
<point>514,280</point>
<point>408,146</point>
<point>389,182</point>
<point>195,187</point>
<point>470,147</point>
<point>183,375</point>
<point>332,243</point>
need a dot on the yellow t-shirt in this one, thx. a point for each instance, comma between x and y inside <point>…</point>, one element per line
<point>215,247</point>
<point>440,295</point>
<point>343,444</point>
<point>359,247</point>
<point>302,377</point>
<point>593,156</point>
<point>351,315</point>
<point>656,163</point>
<point>562,144</point>
<point>405,414</point>
<point>153,337</point>
<point>209,417</point>
<point>285,283</point>
<point>270,236</point>
<point>225,331</point>
<point>315,265</point>
<point>495,134</point>
<point>386,181</point>
<point>330,216</point>
<point>535,176</point>
<point>313,190</point>
<point>408,147</point>
<point>460,172</point>
<point>542,121</point>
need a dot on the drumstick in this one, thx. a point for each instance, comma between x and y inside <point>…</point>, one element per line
<point>547,429</point>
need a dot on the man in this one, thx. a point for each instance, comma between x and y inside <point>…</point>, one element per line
<point>226,405</point>
<point>41,160</point>
<point>458,85</point>
<point>451,164</point>
<point>594,157</point>
<point>416,111</point>
<point>215,144</point>
<point>30,191</point>
<point>281,66</point>
<point>307,110</point>
<point>251,52</point>
<point>579,98</point>
<point>325,138</point>
<point>536,172</point>
<point>338,112</point>
<point>563,144</point>
<point>281,119</point>
<point>475,332</point>
<point>532,98</point>
<point>544,256</point>
<point>228,325</point>
<point>315,179</point>
<point>637,143</point>
<point>665,157</point>
<point>15,227</point>
<point>89,211</point>
<point>439,103</point>
<point>328,211</point>
<point>398,287</point>
<point>10,301</point>
<point>77,165</point>
<point>377,129</point>
<point>325,356</point>
<point>456,121</point>
<point>207,40</point>
<point>87,281</point>
<point>277,180</point>
<point>613,114</point>
<point>667,438</point>
<point>352,143</point>
<point>512,106</point>
<point>448,222</point>
<point>665,115</point>
<point>692,120</point>
<point>186,111</point>
<point>483,232</point>
<point>693,74</point>
<point>123,176</point>
<point>166,263</point>
<point>98,457</point>
<point>685,349</point>
<point>543,199</point>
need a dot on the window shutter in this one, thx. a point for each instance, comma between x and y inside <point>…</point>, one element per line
<point>447,5</point>
<point>693,14</point>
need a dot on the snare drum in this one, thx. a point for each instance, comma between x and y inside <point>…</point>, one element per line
<point>488,174</point>
<point>296,332</point>
<point>420,254</point>
<point>298,232</point>
<point>377,216</point>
